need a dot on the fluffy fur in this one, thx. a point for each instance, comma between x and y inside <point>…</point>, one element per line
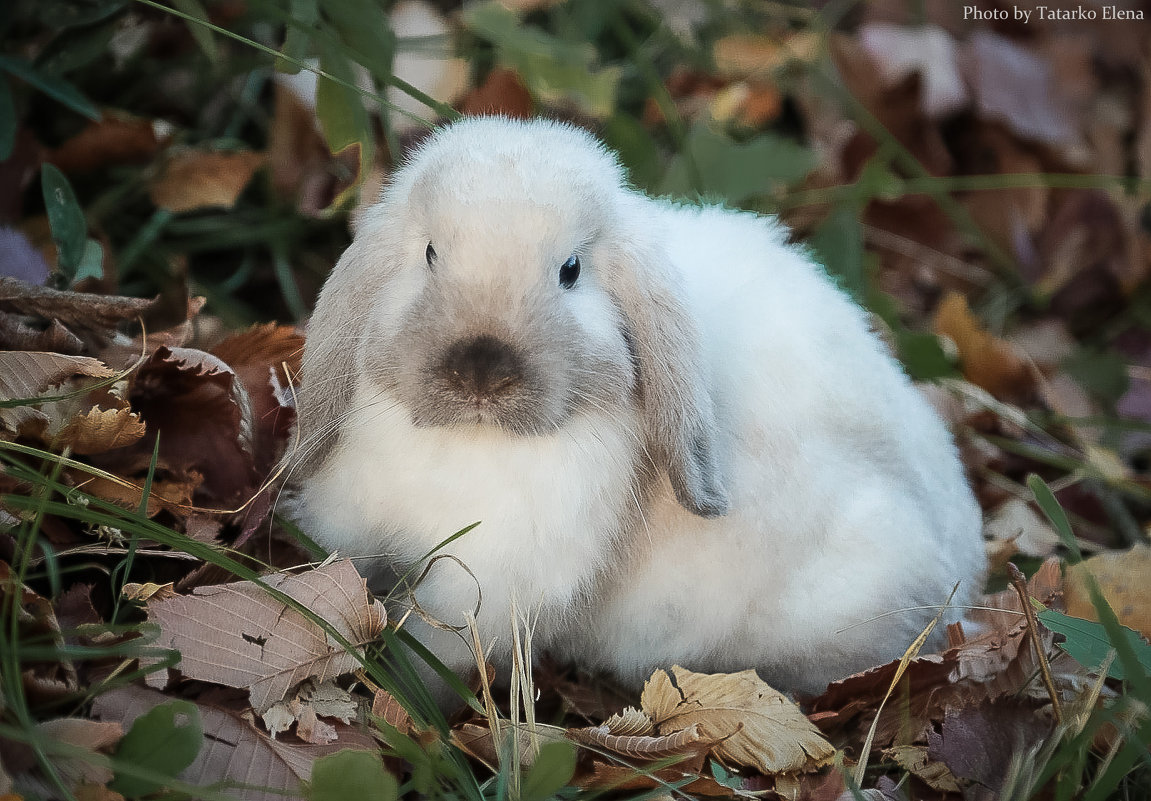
<point>698,453</point>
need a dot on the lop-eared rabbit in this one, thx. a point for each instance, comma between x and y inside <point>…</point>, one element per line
<point>681,440</point>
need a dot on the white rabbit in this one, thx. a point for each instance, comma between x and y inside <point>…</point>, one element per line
<point>683,442</point>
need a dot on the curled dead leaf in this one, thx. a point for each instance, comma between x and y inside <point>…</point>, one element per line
<point>684,742</point>
<point>629,721</point>
<point>753,724</point>
<point>148,591</point>
<point>100,430</point>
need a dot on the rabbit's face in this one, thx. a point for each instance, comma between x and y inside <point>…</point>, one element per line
<point>497,314</point>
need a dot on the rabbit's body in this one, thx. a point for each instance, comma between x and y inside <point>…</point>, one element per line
<point>693,452</point>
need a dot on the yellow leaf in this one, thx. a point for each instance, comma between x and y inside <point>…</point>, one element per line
<point>1123,578</point>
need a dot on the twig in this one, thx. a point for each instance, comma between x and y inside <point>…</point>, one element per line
<point>1019,582</point>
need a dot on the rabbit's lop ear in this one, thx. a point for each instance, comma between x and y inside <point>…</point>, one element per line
<point>677,409</point>
<point>328,374</point>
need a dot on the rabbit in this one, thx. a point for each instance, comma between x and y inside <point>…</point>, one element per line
<point>681,440</point>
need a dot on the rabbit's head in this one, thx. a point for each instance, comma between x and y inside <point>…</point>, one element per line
<point>508,279</point>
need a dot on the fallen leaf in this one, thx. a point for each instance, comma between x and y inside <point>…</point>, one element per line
<point>235,750</point>
<point>989,744</point>
<point>753,724</point>
<point>1013,85</point>
<point>683,742</point>
<point>239,636</point>
<point>742,55</point>
<point>915,760</point>
<point>385,706</point>
<point>148,591</point>
<point>987,361</point>
<point>113,140</point>
<point>620,778</point>
<point>1015,522</point>
<point>1123,578</point>
<point>100,430</point>
<point>199,179</point>
<point>200,410</point>
<point>82,312</point>
<point>929,50</point>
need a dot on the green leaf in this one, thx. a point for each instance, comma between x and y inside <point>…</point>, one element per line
<point>7,121</point>
<point>553,768</point>
<point>1088,642</point>
<point>76,48</point>
<point>66,218</point>
<point>922,355</point>
<point>363,26</point>
<point>1102,373</point>
<point>339,108</point>
<point>351,774</point>
<point>165,739</point>
<point>297,41</point>
<point>202,34</point>
<point>1054,512</point>
<point>554,69</point>
<point>91,263</point>
<point>637,149</point>
<point>838,242</point>
<point>736,171</point>
<point>57,89</point>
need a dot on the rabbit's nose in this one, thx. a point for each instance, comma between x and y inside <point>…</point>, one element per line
<point>481,368</point>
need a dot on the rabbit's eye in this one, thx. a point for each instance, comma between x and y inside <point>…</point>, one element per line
<point>569,272</point>
<point>430,253</point>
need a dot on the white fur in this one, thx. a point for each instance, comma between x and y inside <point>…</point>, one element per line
<point>846,497</point>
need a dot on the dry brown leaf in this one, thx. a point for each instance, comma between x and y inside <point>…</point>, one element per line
<point>168,494</point>
<point>987,361</point>
<point>385,706</point>
<point>259,357</point>
<point>756,725</point>
<point>1124,578</point>
<point>914,759</point>
<point>623,778</point>
<point>148,591</point>
<point>687,741</point>
<point>78,310</point>
<point>198,179</point>
<point>25,374</point>
<point>204,419</point>
<point>740,55</point>
<point>91,792</point>
<point>235,750</point>
<point>111,140</point>
<point>100,430</point>
<point>502,92</point>
<point>308,704</point>
<point>239,636</point>
<point>89,735</point>
<point>478,742</point>
<point>629,721</point>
